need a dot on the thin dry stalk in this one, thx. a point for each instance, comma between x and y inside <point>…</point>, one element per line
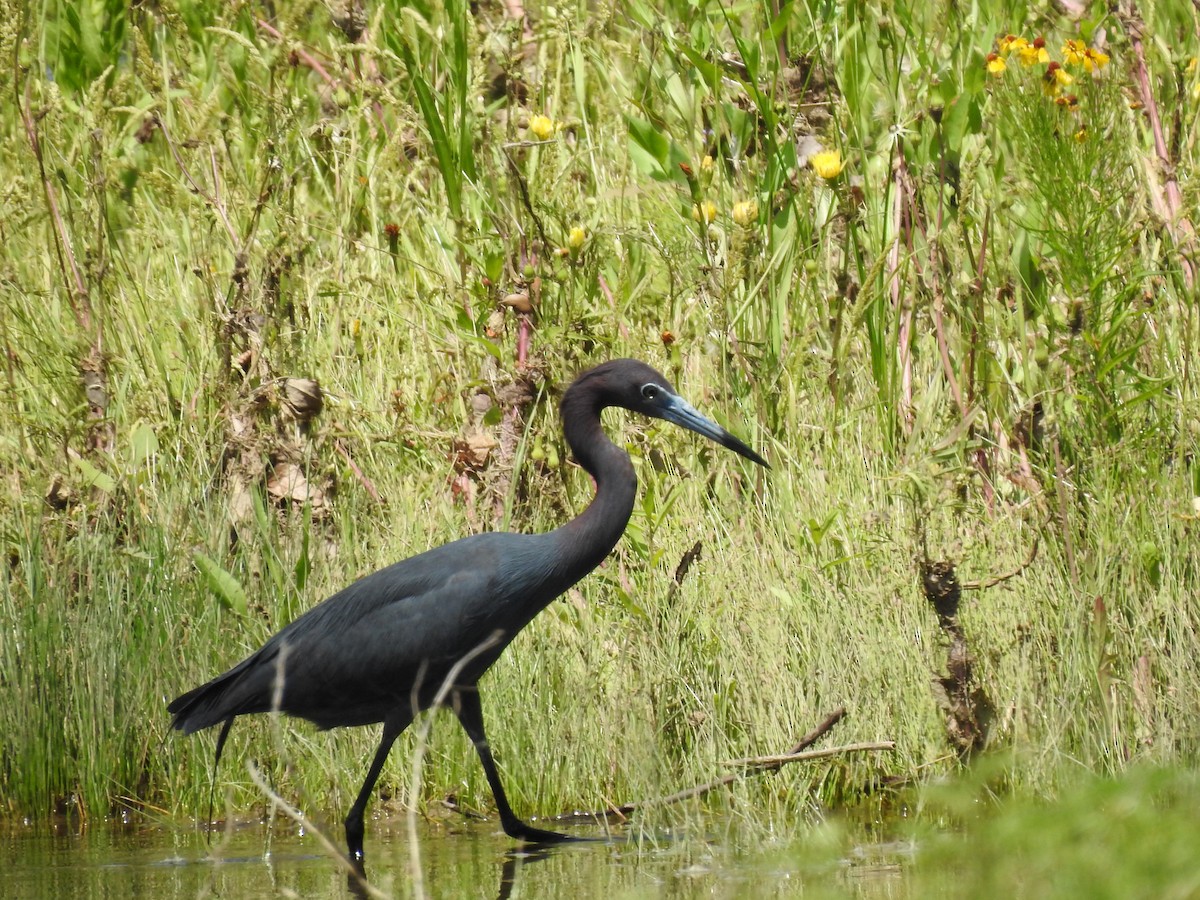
<point>81,303</point>
<point>900,303</point>
<point>297,815</point>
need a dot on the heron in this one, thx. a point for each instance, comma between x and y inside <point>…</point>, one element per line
<point>422,632</point>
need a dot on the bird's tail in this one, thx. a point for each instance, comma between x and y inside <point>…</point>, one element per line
<point>195,711</point>
<point>220,700</point>
<point>200,708</point>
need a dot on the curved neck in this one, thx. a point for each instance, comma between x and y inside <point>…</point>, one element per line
<point>586,540</point>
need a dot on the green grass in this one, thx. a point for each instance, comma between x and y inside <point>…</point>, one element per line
<point>1091,840</point>
<point>211,214</point>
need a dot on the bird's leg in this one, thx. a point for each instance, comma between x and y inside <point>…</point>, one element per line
<point>470,713</point>
<point>212,786</point>
<point>354,819</point>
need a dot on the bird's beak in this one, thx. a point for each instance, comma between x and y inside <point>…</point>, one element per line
<point>677,410</point>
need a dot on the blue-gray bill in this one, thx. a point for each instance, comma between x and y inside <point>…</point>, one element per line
<point>677,410</point>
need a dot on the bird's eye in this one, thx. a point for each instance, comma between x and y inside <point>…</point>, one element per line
<point>649,391</point>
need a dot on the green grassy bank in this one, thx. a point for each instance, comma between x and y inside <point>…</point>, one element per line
<point>967,343</point>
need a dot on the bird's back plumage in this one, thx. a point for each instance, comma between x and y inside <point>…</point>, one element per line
<point>355,658</point>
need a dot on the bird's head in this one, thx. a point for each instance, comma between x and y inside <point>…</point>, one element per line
<point>632,384</point>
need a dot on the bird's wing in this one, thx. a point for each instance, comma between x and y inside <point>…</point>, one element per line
<point>354,655</point>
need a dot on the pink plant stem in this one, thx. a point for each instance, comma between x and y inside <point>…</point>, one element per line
<point>612,301</point>
<point>1179,225</point>
<point>524,338</point>
<point>307,58</point>
<point>899,181</point>
<point>81,301</point>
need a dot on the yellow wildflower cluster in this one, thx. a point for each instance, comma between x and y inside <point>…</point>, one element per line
<point>576,238</point>
<point>1055,79</point>
<point>1031,53</point>
<point>1077,53</point>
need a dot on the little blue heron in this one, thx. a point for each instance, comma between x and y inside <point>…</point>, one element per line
<point>382,649</point>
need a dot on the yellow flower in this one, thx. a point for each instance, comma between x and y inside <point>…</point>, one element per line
<point>1095,59</point>
<point>1081,134</point>
<point>1077,53</point>
<point>996,65</point>
<point>1074,52</point>
<point>1010,43</point>
<point>1032,54</point>
<point>541,127</point>
<point>706,165</point>
<point>745,212</point>
<point>704,212</point>
<point>827,164</point>
<point>576,239</point>
<point>1055,79</point>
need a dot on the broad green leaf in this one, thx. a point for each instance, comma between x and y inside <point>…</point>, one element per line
<point>645,161</point>
<point>228,590</point>
<point>650,139</point>
<point>93,477</point>
<point>143,445</point>
<point>304,564</point>
<point>445,152</point>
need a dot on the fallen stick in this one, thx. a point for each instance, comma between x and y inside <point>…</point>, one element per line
<point>774,762</point>
<point>754,766</point>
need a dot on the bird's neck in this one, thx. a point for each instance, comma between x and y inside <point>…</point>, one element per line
<point>586,540</point>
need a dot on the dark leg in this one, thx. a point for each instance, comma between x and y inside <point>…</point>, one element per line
<point>470,714</point>
<point>212,787</point>
<point>354,819</point>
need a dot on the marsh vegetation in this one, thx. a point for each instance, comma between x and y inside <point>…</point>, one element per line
<point>291,293</point>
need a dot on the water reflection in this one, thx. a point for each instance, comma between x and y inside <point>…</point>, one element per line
<point>358,885</point>
<point>474,860</point>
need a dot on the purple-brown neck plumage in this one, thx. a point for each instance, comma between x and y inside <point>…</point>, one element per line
<point>586,540</point>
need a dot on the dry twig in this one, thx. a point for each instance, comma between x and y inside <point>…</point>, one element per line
<point>770,763</point>
<point>992,582</point>
<point>297,815</point>
<point>699,790</point>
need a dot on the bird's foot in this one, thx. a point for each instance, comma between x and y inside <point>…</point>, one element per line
<point>354,842</point>
<point>356,879</point>
<point>527,833</point>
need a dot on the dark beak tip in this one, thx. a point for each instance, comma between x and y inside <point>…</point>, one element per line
<point>743,450</point>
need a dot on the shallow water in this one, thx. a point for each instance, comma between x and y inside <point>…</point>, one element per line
<point>474,860</point>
